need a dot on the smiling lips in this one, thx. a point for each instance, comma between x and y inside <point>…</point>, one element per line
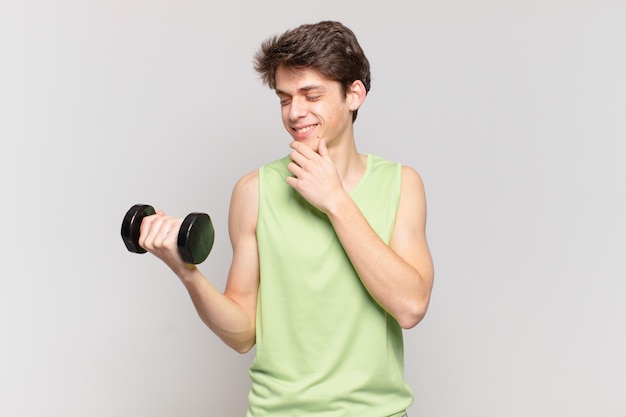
<point>302,132</point>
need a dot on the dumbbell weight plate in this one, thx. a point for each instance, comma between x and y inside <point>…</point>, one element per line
<point>131,225</point>
<point>195,238</point>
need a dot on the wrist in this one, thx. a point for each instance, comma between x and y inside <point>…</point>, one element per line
<point>339,204</point>
<point>187,273</point>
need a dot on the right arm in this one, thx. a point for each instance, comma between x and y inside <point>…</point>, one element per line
<point>231,315</point>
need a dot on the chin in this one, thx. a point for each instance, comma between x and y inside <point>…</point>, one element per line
<point>312,142</point>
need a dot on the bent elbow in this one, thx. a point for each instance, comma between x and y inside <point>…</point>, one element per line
<point>410,321</point>
<point>245,344</point>
<point>243,349</point>
<point>240,342</point>
<point>413,315</point>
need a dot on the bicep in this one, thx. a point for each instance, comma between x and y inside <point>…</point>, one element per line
<point>243,278</point>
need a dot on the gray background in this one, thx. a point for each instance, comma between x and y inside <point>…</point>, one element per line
<point>512,111</point>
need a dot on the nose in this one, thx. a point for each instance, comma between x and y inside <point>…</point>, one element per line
<point>297,109</point>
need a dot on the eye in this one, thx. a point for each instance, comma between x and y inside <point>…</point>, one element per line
<point>312,98</point>
<point>285,101</point>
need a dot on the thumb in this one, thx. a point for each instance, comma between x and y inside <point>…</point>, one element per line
<point>322,149</point>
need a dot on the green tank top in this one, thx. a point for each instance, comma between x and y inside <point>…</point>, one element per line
<point>324,347</point>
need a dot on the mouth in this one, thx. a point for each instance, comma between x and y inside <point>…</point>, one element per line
<point>303,131</point>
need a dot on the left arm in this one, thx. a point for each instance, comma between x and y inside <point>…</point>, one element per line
<point>399,276</point>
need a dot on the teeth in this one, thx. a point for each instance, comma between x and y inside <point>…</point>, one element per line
<point>305,129</point>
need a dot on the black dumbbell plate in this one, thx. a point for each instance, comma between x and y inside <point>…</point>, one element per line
<point>195,238</point>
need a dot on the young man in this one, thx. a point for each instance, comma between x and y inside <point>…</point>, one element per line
<point>330,258</point>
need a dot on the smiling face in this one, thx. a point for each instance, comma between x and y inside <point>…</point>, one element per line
<point>314,107</point>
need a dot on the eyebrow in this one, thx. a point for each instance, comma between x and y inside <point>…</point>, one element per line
<point>304,89</point>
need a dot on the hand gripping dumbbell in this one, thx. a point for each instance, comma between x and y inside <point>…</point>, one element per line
<point>195,238</point>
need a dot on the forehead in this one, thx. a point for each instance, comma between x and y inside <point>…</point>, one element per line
<point>293,80</point>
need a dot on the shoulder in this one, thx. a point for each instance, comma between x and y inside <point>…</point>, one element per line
<point>246,189</point>
<point>248,183</point>
<point>411,179</point>
<point>244,203</point>
<point>412,207</point>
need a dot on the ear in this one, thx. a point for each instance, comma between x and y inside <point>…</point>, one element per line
<point>356,95</point>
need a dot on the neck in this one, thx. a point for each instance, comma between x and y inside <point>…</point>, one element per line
<point>349,162</point>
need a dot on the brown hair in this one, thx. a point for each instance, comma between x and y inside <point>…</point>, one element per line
<point>328,47</point>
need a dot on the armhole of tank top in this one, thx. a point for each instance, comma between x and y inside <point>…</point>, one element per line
<point>259,191</point>
<point>398,197</point>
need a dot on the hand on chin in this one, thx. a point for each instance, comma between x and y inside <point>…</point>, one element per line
<point>312,142</point>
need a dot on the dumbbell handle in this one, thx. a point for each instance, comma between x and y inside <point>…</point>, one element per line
<point>195,237</point>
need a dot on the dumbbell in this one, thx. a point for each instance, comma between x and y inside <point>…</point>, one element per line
<point>195,238</point>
